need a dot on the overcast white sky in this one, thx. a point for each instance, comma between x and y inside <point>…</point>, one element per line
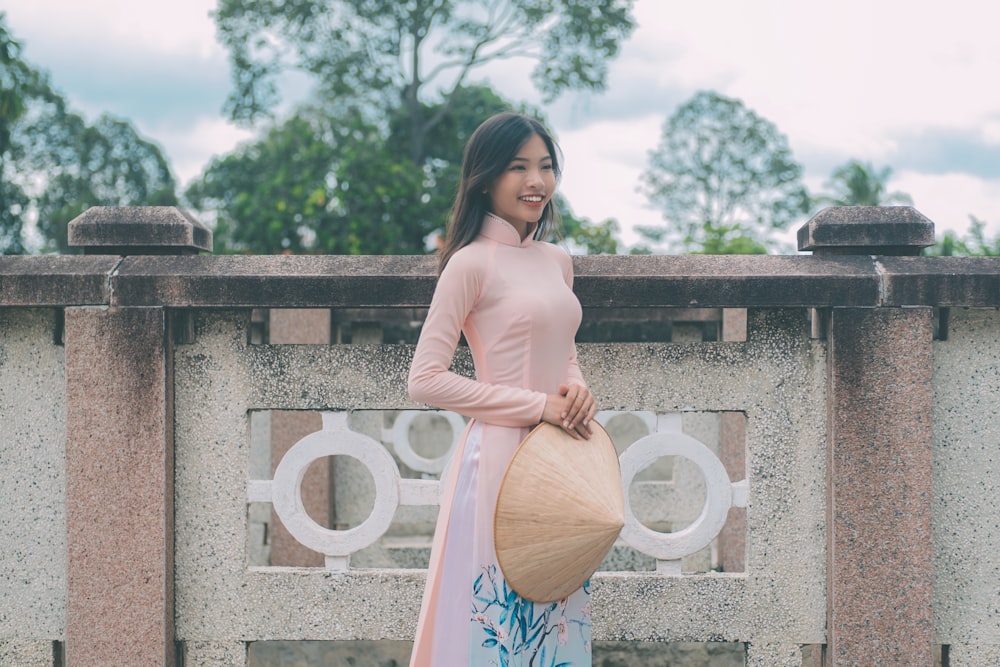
<point>909,84</point>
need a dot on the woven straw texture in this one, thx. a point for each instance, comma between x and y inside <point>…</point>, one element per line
<point>559,511</point>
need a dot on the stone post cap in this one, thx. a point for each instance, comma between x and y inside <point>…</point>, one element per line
<point>867,230</point>
<point>138,230</point>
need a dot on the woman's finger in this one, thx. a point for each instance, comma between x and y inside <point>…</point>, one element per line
<point>586,405</point>
<point>577,399</point>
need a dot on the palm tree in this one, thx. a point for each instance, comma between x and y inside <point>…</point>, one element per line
<point>859,183</point>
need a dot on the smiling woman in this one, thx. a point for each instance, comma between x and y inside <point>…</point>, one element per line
<point>510,294</point>
<point>523,191</point>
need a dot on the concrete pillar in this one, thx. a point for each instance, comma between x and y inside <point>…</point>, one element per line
<point>732,452</point>
<point>119,455</point>
<point>879,438</point>
<point>299,326</point>
<point>119,488</point>
<point>880,565</point>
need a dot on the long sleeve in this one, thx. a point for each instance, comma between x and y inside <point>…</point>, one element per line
<point>431,381</point>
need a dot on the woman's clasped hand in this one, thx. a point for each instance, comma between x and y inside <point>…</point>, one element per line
<point>572,409</point>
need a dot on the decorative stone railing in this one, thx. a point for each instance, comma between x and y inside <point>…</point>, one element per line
<point>336,438</point>
<point>861,479</point>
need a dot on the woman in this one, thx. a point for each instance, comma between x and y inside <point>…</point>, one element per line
<point>511,295</point>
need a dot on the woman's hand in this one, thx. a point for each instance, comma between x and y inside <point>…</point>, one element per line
<point>572,409</point>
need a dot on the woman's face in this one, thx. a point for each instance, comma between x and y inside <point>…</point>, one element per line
<point>520,193</point>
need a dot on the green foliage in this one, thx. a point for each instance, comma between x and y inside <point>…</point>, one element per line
<point>397,75</point>
<point>376,51</point>
<point>104,164</point>
<point>724,178</point>
<point>972,244</point>
<point>17,80</point>
<point>269,195</point>
<point>857,183</point>
<point>13,203</point>
<point>319,184</point>
<point>53,164</point>
<point>582,233</point>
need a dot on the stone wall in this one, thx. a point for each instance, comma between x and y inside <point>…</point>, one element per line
<point>134,391</point>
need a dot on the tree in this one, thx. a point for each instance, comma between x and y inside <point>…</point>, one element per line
<point>54,164</point>
<point>104,164</point>
<point>724,178</point>
<point>268,195</point>
<point>857,183</point>
<point>17,82</point>
<point>379,56</point>
<point>583,233</point>
<point>972,244</point>
<point>392,103</point>
<point>338,185</point>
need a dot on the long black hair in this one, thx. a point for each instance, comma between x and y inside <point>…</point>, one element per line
<point>490,149</point>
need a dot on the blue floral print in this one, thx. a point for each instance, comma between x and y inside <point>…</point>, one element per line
<point>515,632</point>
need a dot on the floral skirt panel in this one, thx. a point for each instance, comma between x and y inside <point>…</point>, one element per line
<point>501,629</point>
<point>509,631</point>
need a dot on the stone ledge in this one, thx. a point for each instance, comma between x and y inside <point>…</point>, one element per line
<point>407,281</point>
<point>725,281</point>
<point>941,281</point>
<point>276,281</point>
<point>339,606</point>
<point>55,280</point>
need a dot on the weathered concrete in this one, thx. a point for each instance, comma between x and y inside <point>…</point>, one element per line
<point>55,280</point>
<point>966,510</point>
<point>287,428</point>
<point>299,326</point>
<point>119,488</point>
<point>982,655</point>
<point>940,281</point>
<point>867,230</point>
<point>220,378</point>
<point>397,654</point>
<point>396,282</point>
<point>138,230</point>
<point>28,654</point>
<point>879,576</point>
<point>774,654</point>
<point>732,451</point>
<point>776,377</point>
<point>33,487</point>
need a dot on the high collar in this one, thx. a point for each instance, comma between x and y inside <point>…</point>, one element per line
<point>497,229</point>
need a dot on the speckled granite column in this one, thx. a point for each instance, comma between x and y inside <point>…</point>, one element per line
<point>299,326</point>
<point>732,451</point>
<point>879,589</point>
<point>119,488</point>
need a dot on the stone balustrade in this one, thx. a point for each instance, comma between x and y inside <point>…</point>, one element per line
<point>834,461</point>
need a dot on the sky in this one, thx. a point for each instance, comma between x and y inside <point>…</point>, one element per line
<point>908,84</point>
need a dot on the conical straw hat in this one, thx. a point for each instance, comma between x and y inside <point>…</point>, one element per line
<point>559,511</point>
